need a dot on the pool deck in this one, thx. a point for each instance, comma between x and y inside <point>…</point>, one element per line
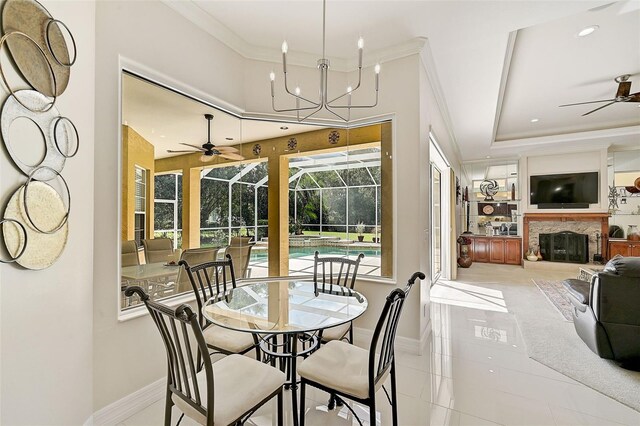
<point>370,265</point>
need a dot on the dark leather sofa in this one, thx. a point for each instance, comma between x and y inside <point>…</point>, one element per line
<point>606,311</point>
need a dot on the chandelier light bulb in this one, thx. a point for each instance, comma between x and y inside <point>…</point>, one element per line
<point>285,47</point>
<point>297,91</point>
<point>377,69</point>
<point>360,43</point>
<point>349,89</point>
<point>272,76</point>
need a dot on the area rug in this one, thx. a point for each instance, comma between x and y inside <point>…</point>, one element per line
<point>553,342</point>
<point>555,293</point>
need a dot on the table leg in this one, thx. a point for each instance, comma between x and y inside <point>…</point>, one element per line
<point>294,379</point>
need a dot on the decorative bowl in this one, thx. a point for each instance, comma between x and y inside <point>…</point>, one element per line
<point>532,258</point>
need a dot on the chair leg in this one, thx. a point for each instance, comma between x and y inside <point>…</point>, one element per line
<point>167,409</point>
<point>394,395</point>
<point>372,412</point>
<point>351,334</point>
<point>280,410</point>
<point>302,401</point>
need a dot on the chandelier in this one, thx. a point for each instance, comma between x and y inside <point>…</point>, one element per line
<point>310,107</point>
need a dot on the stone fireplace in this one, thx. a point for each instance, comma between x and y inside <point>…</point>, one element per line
<point>590,224</point>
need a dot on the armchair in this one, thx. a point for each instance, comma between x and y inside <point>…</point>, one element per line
<point>606,311</point>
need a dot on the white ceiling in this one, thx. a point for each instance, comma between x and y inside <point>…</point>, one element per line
<point>468,41</point>
<point>165,119</point>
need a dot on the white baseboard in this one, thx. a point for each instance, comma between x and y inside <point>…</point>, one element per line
<point>405,344</point>
<point>124,408</point>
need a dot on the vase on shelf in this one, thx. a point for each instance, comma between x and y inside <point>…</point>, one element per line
<point>513,192</point>
<point>632,233</point>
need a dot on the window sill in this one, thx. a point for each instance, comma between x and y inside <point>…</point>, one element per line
<point>141,310</point>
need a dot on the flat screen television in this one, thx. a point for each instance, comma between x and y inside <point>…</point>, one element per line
<point>574,190</point>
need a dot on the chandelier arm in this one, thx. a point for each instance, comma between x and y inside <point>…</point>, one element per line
<point>353,90</point>
<point>312,113</point>
<point>357,106</point>
<point>286,89</point>
<point>336,114</point>
<point>273,105</point>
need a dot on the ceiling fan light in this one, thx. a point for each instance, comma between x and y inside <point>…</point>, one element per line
<point>587,30</point>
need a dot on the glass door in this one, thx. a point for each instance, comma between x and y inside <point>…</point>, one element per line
<point>436,223</point>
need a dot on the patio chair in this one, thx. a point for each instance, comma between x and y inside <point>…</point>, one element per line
<point>355,373</point>
<point>347,272</point>
<point>129,253</point>
<point>240,251</point>
<point>226,392</point>
<point>157,250</point>
<point>193,257</point>
<point>210,279</point>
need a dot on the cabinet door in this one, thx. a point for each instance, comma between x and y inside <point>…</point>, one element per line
<point>481,249</point>
<point>635,250</point>
<point>622,248</point>
<point>512,251</point>
<point>496,250</point>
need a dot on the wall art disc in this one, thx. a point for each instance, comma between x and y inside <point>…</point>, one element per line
<point>31,18</point>
<point>58,140</point>
<point>46,208</point>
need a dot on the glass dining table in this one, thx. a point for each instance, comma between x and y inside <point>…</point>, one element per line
<point>288,316</point>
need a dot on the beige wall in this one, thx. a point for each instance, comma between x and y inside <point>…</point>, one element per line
<point>118,346</point>
<point>46,336</point>
<point>136,151</point>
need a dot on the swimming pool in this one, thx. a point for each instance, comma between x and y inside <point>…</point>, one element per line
<point>296,252</point>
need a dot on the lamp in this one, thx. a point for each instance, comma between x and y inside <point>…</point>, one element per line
<point>323,101</point>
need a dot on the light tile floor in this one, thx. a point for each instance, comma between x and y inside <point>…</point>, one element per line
<point>474,371</point>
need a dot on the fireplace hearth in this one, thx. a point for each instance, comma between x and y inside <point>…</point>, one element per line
<point>565,246</point>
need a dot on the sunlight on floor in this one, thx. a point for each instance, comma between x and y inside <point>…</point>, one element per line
<point>468,295</point>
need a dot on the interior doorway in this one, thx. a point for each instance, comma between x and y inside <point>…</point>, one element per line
<point>440,212</point>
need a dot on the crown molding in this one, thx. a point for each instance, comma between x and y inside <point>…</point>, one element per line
<point>595,139</point>
<point>199,17</point>
<point>432,74</point>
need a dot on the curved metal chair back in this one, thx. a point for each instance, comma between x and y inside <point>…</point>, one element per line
<point>346,269</point>
<point>381,352</point>
<point>181,334</point>
<point>193,257</point>
<point>209,279</point>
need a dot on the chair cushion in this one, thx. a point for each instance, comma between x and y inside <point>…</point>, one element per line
<point>341,366</point>
<point>239,384</point>
<point>578,289</point>
<point>228,340</point>
<point>335,333</point>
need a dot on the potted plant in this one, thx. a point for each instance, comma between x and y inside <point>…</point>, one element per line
<point>360,231</point>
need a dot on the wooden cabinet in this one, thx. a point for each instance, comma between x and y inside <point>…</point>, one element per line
<point>496,250</point>
<point>480,251</point>
<point>624,248</point>
<point>512,251</point>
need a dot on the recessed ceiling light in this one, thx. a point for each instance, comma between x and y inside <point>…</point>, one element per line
<point>488,156</point>
<point>587,30</point>
<point>229,139</point>
<point>284,128</point>
<point>162,136</point>
<point>535,120</point>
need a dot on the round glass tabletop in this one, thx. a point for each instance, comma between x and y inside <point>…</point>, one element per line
<point>284,307</point>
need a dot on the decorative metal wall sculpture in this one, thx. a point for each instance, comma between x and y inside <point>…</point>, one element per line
<point>35,222</point>
<point>257,149</point>
<point>334,137</point>
<point>489,188</point>
<point>292,144</point>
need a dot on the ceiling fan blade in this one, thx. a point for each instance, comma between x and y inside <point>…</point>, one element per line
<point>227,149</point>
<point>590,102</point>
<point>624,87</point>
<point>206,158</point>
<point>599,108</point>
<point>634,97</point>
<point>198,147</point>
<point>232,156</point>
<point>174,151</point>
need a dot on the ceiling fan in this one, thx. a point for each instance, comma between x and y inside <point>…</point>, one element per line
<point>209,150</point>
<point>622,95</point>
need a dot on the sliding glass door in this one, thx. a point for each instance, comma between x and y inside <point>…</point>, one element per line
<point>436,223</point>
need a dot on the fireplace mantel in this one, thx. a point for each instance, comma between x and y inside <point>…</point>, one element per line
<point>602,218</point>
